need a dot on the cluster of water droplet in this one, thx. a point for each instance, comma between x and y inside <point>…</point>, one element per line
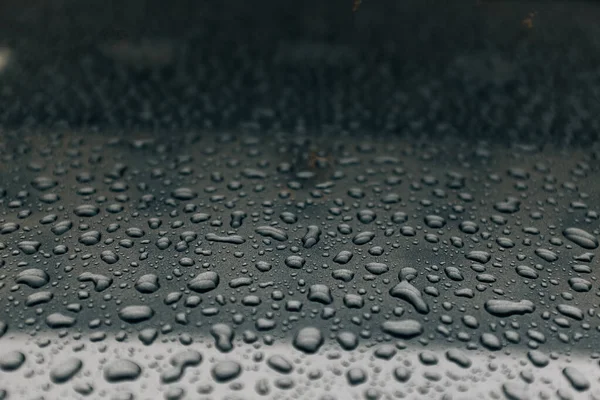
<point>377,252</point>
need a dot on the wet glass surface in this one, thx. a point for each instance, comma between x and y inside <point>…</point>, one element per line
<point>238,201</point>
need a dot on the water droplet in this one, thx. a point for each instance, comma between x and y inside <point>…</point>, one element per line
<point>58,320</point>
<point>344,275</point>
<point>33,277</point>
<point>121,371</point>
<point>136,314</point>
<point>280,364</point>
<point>507,308</point>
<point>29,246</point>
<point>90,238</point>
<point>491,341</point>
<point>402,374</point>
<point>62,227</point>
<point>65,370</point>
<point>86,210</point>
<point>356,376</point>
<point>109,257</point>
<point>312,236</point>
<point>343,257</point>
<point>538,358</point>
<point>411,294</point>
<point>581,238</point>
<point>147,283</point>
<point>295,262</point>
<point>320,294</point>
<point>272,232</point>
<point>231,239</point>
<point>101,282</point>
<point>577,380</point>
<point>377,268</point>
<point>308,340</point>
<point>204,282</point>
<point>225,371</point>
<point>348,340</point>
<point>11,361</point>
<point>179,362</point>
<point>403,329</point>
<point>363,238</point>
<point>459,358</point>
<point>223,335</point>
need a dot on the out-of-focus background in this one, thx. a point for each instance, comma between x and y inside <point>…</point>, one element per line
<point>493,69</point>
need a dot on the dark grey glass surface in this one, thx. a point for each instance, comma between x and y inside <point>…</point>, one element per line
<point>230,200</point>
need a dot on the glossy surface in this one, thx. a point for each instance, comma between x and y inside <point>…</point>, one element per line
<point>282,221</point>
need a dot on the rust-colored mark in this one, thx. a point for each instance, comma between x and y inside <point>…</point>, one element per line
<point>528,21</point>
<point>355,5</point>
<point>314,160</point>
